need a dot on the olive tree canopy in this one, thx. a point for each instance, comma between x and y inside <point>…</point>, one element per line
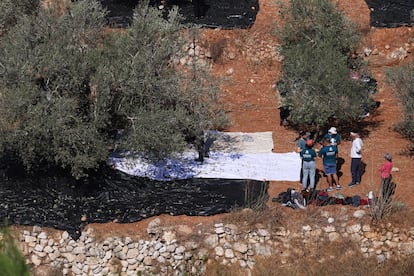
<point>69,87</point>
<point>316,43</point>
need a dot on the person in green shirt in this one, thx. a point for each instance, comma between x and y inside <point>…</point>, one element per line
<point>329,153</point>
<point>308,155</point>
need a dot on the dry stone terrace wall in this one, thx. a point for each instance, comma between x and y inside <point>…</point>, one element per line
<point>164,252</point>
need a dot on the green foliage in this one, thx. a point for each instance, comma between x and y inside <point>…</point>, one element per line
<point>403,81</point>
<point>12,262</point>
<point>48,61</point>
<point>316,44</point>
<point>11,11</point>
<point>66,88</point>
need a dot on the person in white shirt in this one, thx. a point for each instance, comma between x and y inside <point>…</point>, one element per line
<point>356,156</point>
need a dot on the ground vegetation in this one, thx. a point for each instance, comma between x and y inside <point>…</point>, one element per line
<point>12,262</point>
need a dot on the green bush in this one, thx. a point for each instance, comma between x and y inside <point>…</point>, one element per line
<point>402,79</point>
<point>12,262</point>
<point>11,11</point>
<point>316,42</point>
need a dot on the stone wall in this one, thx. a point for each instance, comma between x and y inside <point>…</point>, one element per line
<point>164,253</point>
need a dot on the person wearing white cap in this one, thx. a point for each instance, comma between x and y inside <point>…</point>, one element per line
<point>333,136</point>
<point>356,156</point>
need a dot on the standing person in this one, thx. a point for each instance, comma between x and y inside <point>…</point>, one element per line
<point>333,136</point>
<point>356,156</point>
<point>308,166</point>
<point>386,168</point>
<point>301,143</point>
<point>329,153</point>
<point>387,188</point>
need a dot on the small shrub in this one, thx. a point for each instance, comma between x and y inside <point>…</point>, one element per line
<point>248,218</point>
<point>382,204</point>
<point>252,200</point>
<point>12,262</point>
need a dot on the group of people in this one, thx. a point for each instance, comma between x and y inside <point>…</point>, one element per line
<point>329,154</point>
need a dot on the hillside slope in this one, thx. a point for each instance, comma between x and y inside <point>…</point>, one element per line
<point>251,65</point>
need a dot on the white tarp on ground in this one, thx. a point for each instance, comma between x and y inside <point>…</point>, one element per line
<point>233,155</point>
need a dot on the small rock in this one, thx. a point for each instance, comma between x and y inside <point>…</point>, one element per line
<point>229,71</point>
<point>35,260</point>
<point>184,229</point>
<point>180,249</point>
<point>355,228</point>
<point>219,251</point>
<point>367,51</point>
<point>366,228</point>
<point>29,239</point>
<point>211,240</point>
<point>359,214</point>
<point>306,228</point>
<point>132,253</point>
<point>381,258</point>
<point>147,261</point>
<point>333,236</point>
<point>228,253</point>
<point>329,229</point>
<point>65,235</point>
<point>240,247</point>
<point>168,236</point>
<point>263,233</point>
<point>42,235</point>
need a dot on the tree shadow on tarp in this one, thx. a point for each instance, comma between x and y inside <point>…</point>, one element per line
<point>60,202</point>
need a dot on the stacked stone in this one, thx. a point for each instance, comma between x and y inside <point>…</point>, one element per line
<point>162,254</point>
<point>256,51</point>
<point>112,256</point>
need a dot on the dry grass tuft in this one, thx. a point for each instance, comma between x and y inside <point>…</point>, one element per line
<point>248,218</point>
<point>217,269</point>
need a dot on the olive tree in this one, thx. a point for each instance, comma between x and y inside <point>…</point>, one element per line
<point>68,86</point>
<point>316,42</point>
<point>402,79</point>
